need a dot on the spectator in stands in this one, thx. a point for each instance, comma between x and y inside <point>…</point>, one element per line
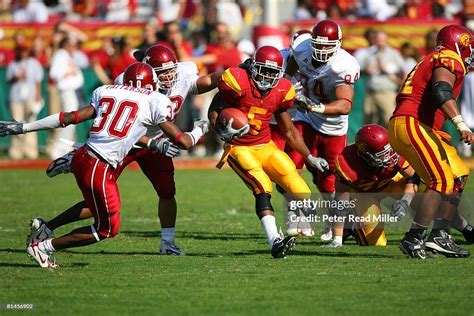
<point>410,55</point>
<point>5,11</point>
<point>150,36</point>
<point>27,11</point>
<point>416,9</point>
<point>68,78</point>
<point>122,56</point>
<point>303,10</point>
<point>25,75</point>
<point>174,39</point>
<point>167,11</point>
<point>38,50</point>
<point>119,10</point>
<point>430,41</point>
<point>384,68</point>
<point>362,53</point>
<point>100,61</point>
<point>378,9</point>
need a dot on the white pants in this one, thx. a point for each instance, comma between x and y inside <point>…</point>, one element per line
<point>69,103</point>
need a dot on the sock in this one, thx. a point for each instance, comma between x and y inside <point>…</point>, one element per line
<point>338,239</point>
<point>441,224</point>
<point>269,226</point>
<point>167,234</point>
<point>418,230</point>
<point>46,246</point>
<point>459,222</point>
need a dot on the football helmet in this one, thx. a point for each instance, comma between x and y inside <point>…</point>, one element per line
<point>140,75</point>
<point>373,146</point>
<point>164,63</point>
<point>326,40</point>
<point>458,39</point>
<point>266,67</point>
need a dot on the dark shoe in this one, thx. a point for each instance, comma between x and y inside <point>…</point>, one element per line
<point>413,246</point>
<point>468,233</point>
<point>282,246</point>
<point>439,241</point>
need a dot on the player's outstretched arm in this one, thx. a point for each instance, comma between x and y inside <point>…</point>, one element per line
<point>61,119</point>
<point>442,85</point>
<point>296,142</point>
<point>181,139</point>
<point>162,145</point>
<point>208,82</point>
<point>341,106</point>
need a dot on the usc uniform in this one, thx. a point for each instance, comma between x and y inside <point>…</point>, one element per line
<point>414,129</point>
<point>254,156</point>
<point>353,171</point>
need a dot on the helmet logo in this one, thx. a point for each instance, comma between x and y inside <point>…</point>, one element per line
<point>322,38</point>
<point>465,39</point>
<point>139,77</point>
<point>168,64</point>
<point>271,63</point>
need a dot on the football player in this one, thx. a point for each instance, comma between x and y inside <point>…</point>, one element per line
<point>177,80</point>
<point>260,92</point>
<point>122,114</point>
<point>371,166</point>
<point>325,93</point>
<point>426,99</point>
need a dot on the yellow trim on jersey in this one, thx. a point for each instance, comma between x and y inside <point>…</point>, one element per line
<point>290,94</point>
<point>446,53</point>
<point>341,172</point>
<point>230,80</point>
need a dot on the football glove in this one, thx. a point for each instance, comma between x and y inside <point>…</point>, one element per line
<point>228,133</point>
<point>319,163</point>
<point>164,146</point>
<point>303,103</point>
<point>203,125</point>
<point>10,128</point>
<point>400,209</point>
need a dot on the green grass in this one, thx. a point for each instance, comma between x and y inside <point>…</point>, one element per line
<point>229,269</point>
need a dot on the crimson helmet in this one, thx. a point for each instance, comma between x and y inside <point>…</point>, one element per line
<point>164,63</point>
<point>373,146</point>
<point>458,39</point>
<point>140,75</point>
<point>326,40</point>
<point>266,67</point>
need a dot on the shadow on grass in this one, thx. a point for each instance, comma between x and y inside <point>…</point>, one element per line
<point>339,254</point>
<point>193,235</point>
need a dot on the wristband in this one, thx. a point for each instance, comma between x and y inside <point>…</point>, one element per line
<point>460,124</point>
<point>178,138</point>
<point>148,144</point>
<point>195,134</point>
<point>76,117</point>
<point>61,119</point>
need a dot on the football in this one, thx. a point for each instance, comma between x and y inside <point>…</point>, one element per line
<point>240,120</point>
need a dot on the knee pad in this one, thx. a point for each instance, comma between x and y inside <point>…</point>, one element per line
<point>262,203</point>
<point>458,189</point>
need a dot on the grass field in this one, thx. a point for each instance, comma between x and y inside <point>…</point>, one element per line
<point>228,270</point>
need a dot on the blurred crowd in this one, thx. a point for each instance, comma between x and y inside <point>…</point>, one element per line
<point>207,32</point>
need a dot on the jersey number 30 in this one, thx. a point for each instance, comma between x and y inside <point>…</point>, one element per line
<point>120,122</point>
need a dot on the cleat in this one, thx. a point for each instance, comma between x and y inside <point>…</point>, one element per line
<point>326,235</point>
<point>468,233</point>
<point>43,258</point>
<point>38,231</point>
<point>413,246</point>
<point>170,249</point>
<point>282,246</point>
<point>332,244</point>
<point>348,233</point>
<point>60,165</point>
<point>439,241</point>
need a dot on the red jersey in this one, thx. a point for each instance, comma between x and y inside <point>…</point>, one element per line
<point>352,170</point>
<point>416,95</point>
<point>239,91</point>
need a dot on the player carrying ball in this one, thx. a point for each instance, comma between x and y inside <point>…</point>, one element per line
<point>260,92</point>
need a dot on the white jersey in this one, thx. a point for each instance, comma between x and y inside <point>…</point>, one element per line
<point>320,85</point>
<point>123,116</point>
<point>185,86</point>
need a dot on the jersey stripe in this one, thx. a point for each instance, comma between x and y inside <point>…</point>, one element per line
<point>290,95</point>
<point>231,81</point>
